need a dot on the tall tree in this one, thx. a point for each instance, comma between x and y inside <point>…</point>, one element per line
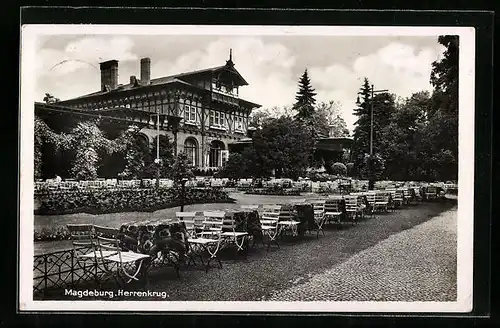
<point>281,145</point>
<point>443,118</point>
<point>305,98</point>
<point>361,132</point>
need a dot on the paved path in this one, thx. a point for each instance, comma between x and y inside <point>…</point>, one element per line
<point>418,264</point>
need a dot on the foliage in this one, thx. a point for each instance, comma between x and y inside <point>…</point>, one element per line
<point>328,122</point>
<point>377,164</point>
<point>235,167</point>
<point>274,191</point>
<point>383,106</point>
<point>181,169</point>
<point>339,168</point>
<point>281,145</point>
<point>305,101</point>
<point>166,157</point>
<point>97,201</point>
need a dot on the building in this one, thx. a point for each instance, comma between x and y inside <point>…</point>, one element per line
<point>201,111</point>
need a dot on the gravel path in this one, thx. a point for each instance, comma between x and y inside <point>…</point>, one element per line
<point>418,264</point>
<point>263,275</point>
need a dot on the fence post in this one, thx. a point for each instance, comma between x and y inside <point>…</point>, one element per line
<point>45,274</point>
<point>72,268</point>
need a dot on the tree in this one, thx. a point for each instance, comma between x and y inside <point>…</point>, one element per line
<point>235,167</point>
<point>181,169</point>
<point>50,99</point>
<point>401,139</point>
<point>443,117</point>
<point>281,145</point>
<point>338,128</point>
<point>86,139</point>
<point>328,121</point>
<point>305,98</point>
<point>383,105</point>
<point>136,152</point>
<point>166,157</point>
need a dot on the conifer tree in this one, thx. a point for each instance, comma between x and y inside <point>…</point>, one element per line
<point>305,98</point>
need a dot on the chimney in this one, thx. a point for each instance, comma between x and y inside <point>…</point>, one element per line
<point>109,75</point>
<point>133,79</point>
<point>145,70</point>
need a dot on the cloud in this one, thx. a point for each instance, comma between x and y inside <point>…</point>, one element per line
<point>398,67</point>
<point>271,66</point>
<point>84,52</point>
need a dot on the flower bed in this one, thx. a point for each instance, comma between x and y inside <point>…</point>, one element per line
<point>99,201</point>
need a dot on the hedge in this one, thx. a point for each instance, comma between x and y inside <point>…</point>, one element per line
<point>274,191</point>
<point>100,201</point>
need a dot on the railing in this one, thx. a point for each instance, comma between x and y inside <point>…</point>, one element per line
<point>61,269</point>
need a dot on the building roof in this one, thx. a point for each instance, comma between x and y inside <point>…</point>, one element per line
<point>176,78</point>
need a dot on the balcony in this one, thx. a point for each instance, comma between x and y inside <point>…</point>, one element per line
<point>227,99</point>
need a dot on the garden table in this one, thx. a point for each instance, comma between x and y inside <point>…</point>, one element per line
<point>246,220</point>
<point>304,213</point>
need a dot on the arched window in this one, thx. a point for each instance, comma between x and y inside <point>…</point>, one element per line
<point>191,149</point>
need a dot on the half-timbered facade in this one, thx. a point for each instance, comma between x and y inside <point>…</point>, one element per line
<point>201,111</point>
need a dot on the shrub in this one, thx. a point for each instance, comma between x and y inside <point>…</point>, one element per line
<point>98,201</point>
<point>339,168</point>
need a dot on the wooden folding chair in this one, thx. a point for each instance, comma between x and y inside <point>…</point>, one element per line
<point>353,210</point>
<point>107,241</point>
<point>333,212</point>
<point>319,215</point>
<point>269,223</point>
<point>210,237</point>
<point>195,245</point>
<point>381,201</point>
<point>287,223</point>
<point>230,234</point>
<point>84,250</point>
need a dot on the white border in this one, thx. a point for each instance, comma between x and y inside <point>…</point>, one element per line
<point>465,224</point>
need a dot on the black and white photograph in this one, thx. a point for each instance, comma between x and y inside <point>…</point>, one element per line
<point>247,168</point>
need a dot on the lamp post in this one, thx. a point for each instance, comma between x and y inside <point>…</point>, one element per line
<point>183,192</point>
<point>371,182</point>
<point>157,160</point>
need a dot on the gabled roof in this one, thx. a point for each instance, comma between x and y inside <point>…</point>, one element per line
<point>170,79</point>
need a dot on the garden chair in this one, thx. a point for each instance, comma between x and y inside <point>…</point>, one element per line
<point>84,250</point>
<point>332,210</point>
<point>352,208</point>
<point>381,201</point>
<point>196,245</point>
<point>269,223</point>
<point>237,238</point>
<point>108,241</point>
<point>210,237</point>
<point>408,198</point>
<point>371,198</point>
<point>287,223</point>
<point>431,193</point>
<point>319,215</point>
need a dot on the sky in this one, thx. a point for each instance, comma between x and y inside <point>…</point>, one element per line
<point>68,65</point>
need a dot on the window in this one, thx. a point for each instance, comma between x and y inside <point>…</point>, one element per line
<point>191,150</point>
<point>189,114</point>
<point>217,119</point>
<point>238,123</point>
